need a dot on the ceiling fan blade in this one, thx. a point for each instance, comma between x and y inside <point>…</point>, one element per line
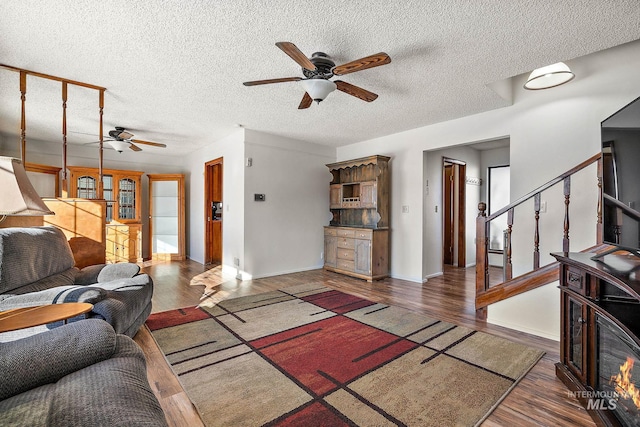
<point>154,144</point>
<point>134,147</point>
<point>266,82</point>
<point>362,64</point>
<point>295,54</point>
<point>125,135</point>
<point>306,102</point>
<point>356,91</point>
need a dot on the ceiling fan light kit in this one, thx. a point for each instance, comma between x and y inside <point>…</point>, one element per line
<point>549,76</point>
<point>319,69</point>
<point>318,89</point>
<point>118,145</point>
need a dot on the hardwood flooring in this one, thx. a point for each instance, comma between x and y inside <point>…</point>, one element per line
<point>540,399</point>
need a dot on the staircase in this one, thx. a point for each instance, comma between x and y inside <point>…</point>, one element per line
<point>488,289</point>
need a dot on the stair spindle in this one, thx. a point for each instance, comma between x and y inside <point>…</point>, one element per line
<point>536,234</point>
<point>23,119</point>
<point>65,184</point>
<point>482,249</point>
<point>567,196</point>
<point>508,272</point>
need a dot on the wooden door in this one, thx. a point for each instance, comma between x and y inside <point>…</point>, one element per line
<point>335,196</point>
<point>454,213</point>
<point>166,239</point>
<point>330,250</point>
<point>447,214</point>
<point>368,194</point>
<point>213,208</point>
<point>362,262</point>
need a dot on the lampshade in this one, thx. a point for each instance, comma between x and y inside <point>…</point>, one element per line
<point>19,198</point>
<point>318,89</point>
<point>119,146</point>
<point>549,76</point>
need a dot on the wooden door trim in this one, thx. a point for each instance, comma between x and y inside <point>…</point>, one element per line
<point>208,188</point>
<point>462,197</point>
<point>459,197</point>
<point>447,210</point>
<point>181,255</point>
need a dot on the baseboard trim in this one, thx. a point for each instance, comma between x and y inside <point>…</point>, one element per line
<point>431,276</point>
<point>280,273</point>
<point>523,329</point>
<point>408,279</point>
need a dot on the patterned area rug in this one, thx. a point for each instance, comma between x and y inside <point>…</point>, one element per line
<point>308,356</point>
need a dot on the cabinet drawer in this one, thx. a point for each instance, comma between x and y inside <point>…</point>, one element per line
<point>346,265</point>
<point>330,232</point>
<point>346,243</point>
<point>348,254</point>
<point>364,234</point>
<point>346,232</point>
<point>576,280</point>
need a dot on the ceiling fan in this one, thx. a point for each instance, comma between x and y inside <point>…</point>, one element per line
<point>120,139</point>
<point>319,69</point>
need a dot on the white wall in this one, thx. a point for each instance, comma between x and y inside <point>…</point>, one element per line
<point>432,238</point>
<point>280,235</point>
<point>550,132</point>
<point>284,233</point>
<point>231,149</point>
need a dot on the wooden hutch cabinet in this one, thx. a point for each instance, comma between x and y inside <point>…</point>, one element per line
<point>122,192</point>
<point>357,240</point>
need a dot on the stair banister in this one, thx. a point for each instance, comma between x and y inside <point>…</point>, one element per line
<point>540,275</point>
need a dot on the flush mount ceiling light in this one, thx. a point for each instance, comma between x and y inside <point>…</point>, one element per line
<point>549,76</point>
<point>318,89</point>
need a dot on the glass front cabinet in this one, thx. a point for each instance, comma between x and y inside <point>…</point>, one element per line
<point>123,196</point>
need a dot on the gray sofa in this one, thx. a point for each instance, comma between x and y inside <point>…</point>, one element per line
<point>81,374</point>
<point>37,268</point>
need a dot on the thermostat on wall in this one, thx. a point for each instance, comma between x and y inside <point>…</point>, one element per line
<point>259,197</point>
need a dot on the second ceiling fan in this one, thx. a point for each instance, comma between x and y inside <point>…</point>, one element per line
<point>319,69</point>
<point>120,139</point>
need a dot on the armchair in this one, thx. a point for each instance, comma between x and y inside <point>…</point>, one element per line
<point>80,374</point>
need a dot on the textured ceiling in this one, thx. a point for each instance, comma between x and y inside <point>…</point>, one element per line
<point>174,69</point>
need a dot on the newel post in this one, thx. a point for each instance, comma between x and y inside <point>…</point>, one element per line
<point>482,257</point>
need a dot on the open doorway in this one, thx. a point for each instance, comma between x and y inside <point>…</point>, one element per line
<point>213,211</point>
<point>453,212</point>
<point>476,158</point>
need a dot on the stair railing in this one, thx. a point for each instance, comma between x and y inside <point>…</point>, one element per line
<point>486,294</point>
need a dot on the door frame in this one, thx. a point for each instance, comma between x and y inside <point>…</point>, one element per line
<point>213,185</point>
<point>459,201</point>
<point>181,255</point>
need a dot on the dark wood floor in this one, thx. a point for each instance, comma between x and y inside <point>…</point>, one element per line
<point>540,399</point>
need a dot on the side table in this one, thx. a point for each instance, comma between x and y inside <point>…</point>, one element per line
<point>27,317</point>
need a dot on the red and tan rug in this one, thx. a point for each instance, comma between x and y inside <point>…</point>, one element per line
<point>312,356</point>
